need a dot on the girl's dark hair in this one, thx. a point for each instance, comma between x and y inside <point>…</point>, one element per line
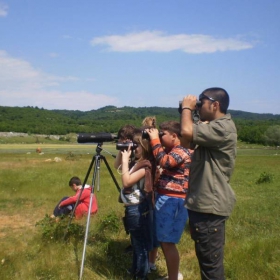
<point>126,132</point>
<point>75,180</point>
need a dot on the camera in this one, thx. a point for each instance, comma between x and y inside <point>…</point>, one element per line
<point>145,134</point>
<point>195,113</point>
<point>125,145</point>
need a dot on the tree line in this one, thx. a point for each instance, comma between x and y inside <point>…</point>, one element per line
<point>251,127</point>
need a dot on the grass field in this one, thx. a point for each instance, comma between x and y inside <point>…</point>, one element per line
<point>32,183</point>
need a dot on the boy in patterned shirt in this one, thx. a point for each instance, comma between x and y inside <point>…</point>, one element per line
<point>170,214</point>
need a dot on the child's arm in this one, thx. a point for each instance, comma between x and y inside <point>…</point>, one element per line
<point>73,199</point>
<point>163,159</point>
<point>129,179</point>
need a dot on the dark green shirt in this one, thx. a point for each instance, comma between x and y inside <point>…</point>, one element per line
<point>212,166</point>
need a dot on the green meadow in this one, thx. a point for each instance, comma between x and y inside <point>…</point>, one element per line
<point>35,247</point>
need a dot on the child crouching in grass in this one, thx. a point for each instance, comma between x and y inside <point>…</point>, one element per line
<point>66,204</point>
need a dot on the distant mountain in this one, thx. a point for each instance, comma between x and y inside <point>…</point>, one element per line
<point>34,120</point>
<point>252,116</point>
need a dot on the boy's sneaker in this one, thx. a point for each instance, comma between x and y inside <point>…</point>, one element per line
<point>180,277</point>
<point>128,271</point>
<point>152,267</point>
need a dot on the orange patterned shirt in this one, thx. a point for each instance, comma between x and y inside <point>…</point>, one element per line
<point>175,164</point>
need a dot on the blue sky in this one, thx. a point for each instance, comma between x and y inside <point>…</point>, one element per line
<point>83,55</point>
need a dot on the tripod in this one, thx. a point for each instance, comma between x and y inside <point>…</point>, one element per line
<point>95,179</point>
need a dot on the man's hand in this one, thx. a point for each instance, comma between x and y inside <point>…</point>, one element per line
<point>189,101</point>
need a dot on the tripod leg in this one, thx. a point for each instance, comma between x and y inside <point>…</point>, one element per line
<point>96,173</point>
<point>111,173</point>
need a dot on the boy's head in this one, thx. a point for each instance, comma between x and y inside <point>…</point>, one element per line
<point>171,126</point>
<point>74,182</point>
<point>126,132</point>
<point>170,133</point>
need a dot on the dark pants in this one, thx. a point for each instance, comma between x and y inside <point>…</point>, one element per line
<point>208,233</point>
<point>137,223</point>
<point>63,211</point>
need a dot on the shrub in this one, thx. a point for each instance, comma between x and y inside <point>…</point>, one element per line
<point>111,222</point>
<point>53,230</point>
<point>265,178</point>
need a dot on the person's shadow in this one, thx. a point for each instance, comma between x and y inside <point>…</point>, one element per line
<point>114,263</point>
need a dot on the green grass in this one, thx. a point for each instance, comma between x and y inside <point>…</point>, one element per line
<point>38,139</point>
<point>253,229</point>
<point>31,184</point>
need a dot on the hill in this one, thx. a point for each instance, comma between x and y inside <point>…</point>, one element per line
<point>34,120</point>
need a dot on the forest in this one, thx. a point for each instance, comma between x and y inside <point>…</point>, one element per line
<point>251,127</point>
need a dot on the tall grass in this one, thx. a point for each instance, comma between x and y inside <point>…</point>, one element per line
<point>31,185</point>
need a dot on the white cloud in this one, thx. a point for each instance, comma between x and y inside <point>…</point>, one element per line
<point>17,73</point>
<point>23,85</point>
<point>79,100</point>
<point>157,41</point>
<point>3,10</point>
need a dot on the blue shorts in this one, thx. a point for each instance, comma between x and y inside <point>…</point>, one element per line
<point>170,218</point>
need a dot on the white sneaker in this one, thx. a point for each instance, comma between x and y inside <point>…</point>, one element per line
<point>180,277</point>
<point>152,267</point>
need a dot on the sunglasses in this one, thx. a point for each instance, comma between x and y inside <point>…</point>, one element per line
<point>203,96</point>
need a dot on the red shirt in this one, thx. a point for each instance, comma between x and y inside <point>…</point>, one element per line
<point>83,205</point>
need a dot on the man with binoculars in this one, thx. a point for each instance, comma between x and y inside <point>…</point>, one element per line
<point>210,199</point>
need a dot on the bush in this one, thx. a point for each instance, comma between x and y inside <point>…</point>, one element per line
<point>53,230</point>
<point>111,222</point>
<point>71,156</point>
<point>265,178</point>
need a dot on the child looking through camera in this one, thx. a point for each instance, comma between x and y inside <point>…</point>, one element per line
<point>137,180</point>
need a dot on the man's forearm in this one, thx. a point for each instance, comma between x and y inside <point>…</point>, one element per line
<point>186,128</point>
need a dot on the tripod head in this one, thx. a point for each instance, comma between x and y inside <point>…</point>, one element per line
<point>99,148</point>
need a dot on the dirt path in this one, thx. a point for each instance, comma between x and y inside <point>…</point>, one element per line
<point>18,223</point>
